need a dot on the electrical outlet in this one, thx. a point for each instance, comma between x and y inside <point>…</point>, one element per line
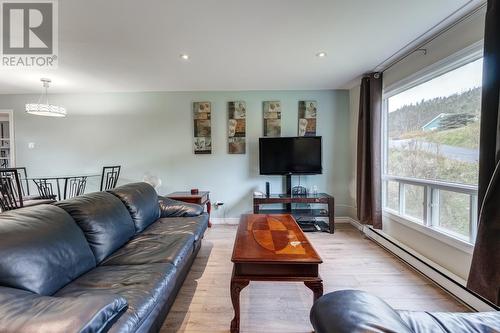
<point>217,204</point>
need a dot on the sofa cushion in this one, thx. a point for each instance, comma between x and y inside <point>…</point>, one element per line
<point>143,286</point>
<point>41,249</point>
<point>354,311</point>
<point>141,201</point>
<point>148,249</point>
<point>195,226</point>
<point>24,311</point>
<point>437,322</point>
<point>175,208</point>
<point>105,221</point>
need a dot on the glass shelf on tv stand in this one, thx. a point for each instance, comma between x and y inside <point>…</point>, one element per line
<point>317,195</point>
<point>310,216</point>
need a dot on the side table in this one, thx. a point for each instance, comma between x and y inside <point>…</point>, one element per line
<point>201,198</point>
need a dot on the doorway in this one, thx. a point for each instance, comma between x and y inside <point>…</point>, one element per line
<point>7,147</point>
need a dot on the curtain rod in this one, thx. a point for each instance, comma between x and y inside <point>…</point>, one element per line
<point>420,47</point>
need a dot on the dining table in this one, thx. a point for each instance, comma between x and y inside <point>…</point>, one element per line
<point>61,187</point>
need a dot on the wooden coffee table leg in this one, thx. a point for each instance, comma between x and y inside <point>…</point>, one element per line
<point>237,286</point>
<point>316,286</point>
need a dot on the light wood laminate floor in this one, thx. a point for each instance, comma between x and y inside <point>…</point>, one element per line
<point>350,261</point>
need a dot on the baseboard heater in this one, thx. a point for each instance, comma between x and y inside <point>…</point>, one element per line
<point>450,285</point>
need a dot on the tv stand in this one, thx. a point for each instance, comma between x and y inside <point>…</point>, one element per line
<point>300,214</point>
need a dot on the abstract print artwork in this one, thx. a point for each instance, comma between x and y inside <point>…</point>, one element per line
<point>272,118</point>
<point>307,118</point>
<point>236,127</point>
<point>202,114</point>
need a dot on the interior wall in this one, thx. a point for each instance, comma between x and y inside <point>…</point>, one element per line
<point>459,37</point>
<point>153,133</point>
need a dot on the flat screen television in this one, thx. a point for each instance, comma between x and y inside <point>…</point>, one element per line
<point>292,155</point>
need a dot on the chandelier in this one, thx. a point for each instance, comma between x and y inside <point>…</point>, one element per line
<point>42,107</point>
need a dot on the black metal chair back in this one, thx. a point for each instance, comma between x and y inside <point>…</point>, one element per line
<point>51,188</point>
<point>23,179</point>
<point>48,188</point>
<point>109,177</point>
<point>74,186</point>
<point>10,190</point>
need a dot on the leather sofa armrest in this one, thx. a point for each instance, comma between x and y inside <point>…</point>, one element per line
<point>25,312</point>
<point>355,311</point>
<point>174,208</point>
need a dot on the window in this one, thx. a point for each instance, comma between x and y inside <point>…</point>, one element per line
<point>431,148</point>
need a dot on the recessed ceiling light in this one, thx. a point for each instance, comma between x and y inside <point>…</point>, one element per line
<point>184,56</point>
<point>321,54</point>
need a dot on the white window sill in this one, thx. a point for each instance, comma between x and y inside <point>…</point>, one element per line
<point>455,242</point>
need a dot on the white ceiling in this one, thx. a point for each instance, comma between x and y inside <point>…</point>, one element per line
<point>130,45</point>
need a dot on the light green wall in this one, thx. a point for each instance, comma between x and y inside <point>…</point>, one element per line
<point>153,132</point>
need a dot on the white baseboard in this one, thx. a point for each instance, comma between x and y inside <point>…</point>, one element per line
<point>350,220</point>
<point>448,281</point>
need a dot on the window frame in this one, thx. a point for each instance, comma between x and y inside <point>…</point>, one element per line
<point>429,224</point>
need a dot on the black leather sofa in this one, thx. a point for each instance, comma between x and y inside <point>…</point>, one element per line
<point>106,261</point>
<point>354,311</point>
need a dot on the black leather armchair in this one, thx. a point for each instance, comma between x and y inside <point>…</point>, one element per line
<point>354,311</point>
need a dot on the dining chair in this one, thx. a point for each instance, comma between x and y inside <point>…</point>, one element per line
<point>74,186</point>
<point>109,177</point>
<point>61,188</point>
<point>25,185</point>
<point>11,196</point>
<point>48,188</point>
<point>23,179</point>
<point>11,192</point>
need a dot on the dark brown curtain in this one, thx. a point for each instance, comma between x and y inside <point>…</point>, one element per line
<point>369,155</point>
<point>484,276</point>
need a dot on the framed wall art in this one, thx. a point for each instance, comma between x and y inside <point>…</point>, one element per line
<point>202,117</point>
<point>307,118</point>
<point>236,127</point>
<point>272,118</point>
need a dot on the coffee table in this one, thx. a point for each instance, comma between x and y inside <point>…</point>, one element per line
<point>272,248</point>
